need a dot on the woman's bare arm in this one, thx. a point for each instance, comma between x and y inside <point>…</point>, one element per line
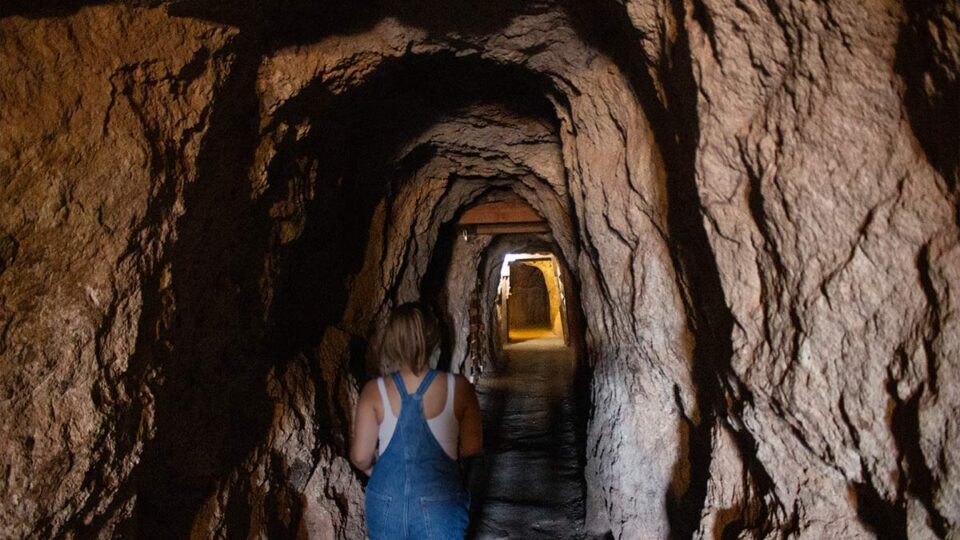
<point>365,429</point>
<point>471,426</point>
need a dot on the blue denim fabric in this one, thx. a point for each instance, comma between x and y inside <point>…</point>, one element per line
<point>415,490</point>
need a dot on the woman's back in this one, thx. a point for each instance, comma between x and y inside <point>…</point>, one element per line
<point>423,423</point>
<point>439,407</point>
<point>415,490</point>
<point>434,399</point>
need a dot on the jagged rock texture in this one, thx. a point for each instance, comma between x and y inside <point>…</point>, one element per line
<point>207,210</point>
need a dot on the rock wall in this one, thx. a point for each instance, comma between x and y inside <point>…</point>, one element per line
<point>208,209</point>
<point>105,111</point>
<point>836,246</point>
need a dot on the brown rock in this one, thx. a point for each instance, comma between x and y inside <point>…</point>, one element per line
<point>207,211</point>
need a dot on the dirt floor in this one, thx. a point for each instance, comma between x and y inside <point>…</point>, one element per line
<point>534,483</point>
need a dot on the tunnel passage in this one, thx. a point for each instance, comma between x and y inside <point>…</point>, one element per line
<point>535,398</point>
<point>531,298</point>
<point>209,208</point>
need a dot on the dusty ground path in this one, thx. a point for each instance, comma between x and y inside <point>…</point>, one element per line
<point>534,483</point>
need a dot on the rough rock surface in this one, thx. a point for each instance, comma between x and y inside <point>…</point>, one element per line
<point>207,209</point>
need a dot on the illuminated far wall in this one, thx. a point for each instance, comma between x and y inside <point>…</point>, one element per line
<point>532,294</point>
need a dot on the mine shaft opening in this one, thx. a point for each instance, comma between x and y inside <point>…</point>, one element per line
<point>531,302</point>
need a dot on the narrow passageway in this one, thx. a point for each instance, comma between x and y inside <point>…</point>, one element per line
<point>534,483</point>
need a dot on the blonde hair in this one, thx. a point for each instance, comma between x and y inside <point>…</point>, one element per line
<point>409,338</point>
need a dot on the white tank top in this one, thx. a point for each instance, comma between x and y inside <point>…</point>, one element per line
<point>445,427</point>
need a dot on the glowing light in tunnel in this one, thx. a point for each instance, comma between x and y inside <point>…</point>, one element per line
<point>547,263</point>
<point>511,257</point>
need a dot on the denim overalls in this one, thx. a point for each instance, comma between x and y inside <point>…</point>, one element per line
<point>415,491</point>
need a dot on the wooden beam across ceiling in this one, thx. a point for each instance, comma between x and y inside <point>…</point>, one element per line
<point>508,228</point>
<point>500,212</point>
<point>503,217</point>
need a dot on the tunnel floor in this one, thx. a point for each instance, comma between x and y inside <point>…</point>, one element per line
<point>534,482</point>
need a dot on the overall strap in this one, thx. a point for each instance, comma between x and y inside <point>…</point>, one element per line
<point>398,382</point>
<point>426,383</point>
<point>402,388</point>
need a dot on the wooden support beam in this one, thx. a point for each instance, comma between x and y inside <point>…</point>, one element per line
<point>508,228</point>
<point>501,212</point>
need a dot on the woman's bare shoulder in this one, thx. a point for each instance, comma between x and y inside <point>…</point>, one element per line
<point>369,392</point>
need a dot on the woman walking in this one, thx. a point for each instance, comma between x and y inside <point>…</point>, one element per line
<point>424,421</point>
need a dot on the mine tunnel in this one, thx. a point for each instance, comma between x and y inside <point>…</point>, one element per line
<point>700,261</point>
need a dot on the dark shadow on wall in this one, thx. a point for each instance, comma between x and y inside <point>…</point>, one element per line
<point>199,349</point>
<point>290,22</point>
<point>931,73</point>
<point>281,23</point>
<point>432,290</point>
<point>329,215</point>
<point>287,22</point>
